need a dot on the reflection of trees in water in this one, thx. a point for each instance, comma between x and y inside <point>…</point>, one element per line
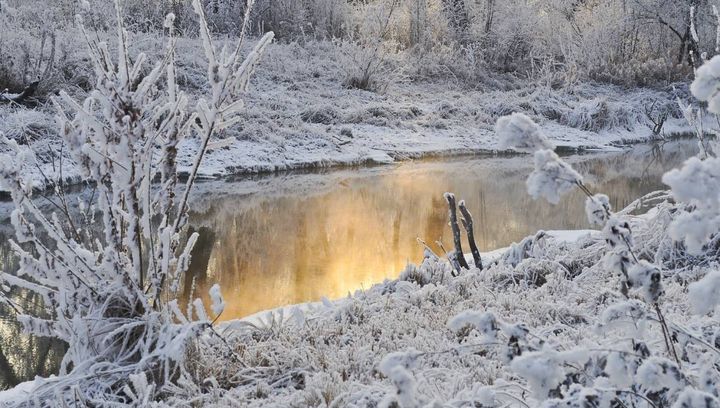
<point>293,249</point>
<point>200,259</point>
<point>22,357</point>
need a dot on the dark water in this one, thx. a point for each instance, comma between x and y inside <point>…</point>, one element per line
<point>278,240</point>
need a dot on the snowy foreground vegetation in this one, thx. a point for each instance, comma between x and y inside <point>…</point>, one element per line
<point>625,316</point>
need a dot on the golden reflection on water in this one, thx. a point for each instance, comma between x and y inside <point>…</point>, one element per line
<point>280,240</point>
<point>22,356</point>
<point>273,251</point>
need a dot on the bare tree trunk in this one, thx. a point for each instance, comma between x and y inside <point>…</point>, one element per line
<point>418,22</point>
<point>460,256</point>
<point>458,18</point>
<point>689,48</point>
<point>467,221</point>
<point>489,15</point>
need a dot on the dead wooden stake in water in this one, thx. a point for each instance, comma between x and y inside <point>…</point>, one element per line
<point>450,198</point>
<point>467,221</point>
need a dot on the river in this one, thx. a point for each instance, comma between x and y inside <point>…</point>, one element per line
<point>296,237</point>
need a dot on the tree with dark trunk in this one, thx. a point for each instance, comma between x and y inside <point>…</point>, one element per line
<point>677,17</point>
<point>489,15</point>
<point>458,18</point>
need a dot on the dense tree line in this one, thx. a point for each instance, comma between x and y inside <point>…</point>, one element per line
<point>633,42</point>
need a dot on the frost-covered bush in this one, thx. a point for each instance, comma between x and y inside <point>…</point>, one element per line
<point>706,85</point>
<point>367,55</point>
<point>697,183</point>
<point>35,45</point>
<point>552,177</point>
<point>646,42</point>
<point>111,295</point>
<point>647,370</point>
<point>520,133</point>
<point>431,270</point>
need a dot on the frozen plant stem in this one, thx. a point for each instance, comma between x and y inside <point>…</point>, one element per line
<point>119,315</point>
<point>669,344</point>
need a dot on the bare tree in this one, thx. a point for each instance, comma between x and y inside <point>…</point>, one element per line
<point>489,15</point>
<point>458,18</point>
<point>675,16</point>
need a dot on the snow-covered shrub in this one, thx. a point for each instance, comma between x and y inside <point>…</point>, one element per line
<point>519,132</point>
<point>552,177</point>
<point>543,371</point>
<point>599,114</point>
<point>597,209</point>
<point>690,398</point>
<point>431,270</point>
<point>110,294</point>
<point>648,278</point>
<point>34,46</point>
<point>706,85</point>
<point>705,293</point>
<point>528,247</point>
<point>648,375</point>
<point>697,184</point>
<point>366,56</point>
<point>514,340</point>
<point>396,367</point>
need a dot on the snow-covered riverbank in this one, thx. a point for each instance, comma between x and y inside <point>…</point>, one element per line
<point>299,115</point>
<point>125,293</point>
<point>452,335</point>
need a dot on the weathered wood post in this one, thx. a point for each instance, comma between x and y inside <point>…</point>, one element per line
<point>460,256</point>
<point>467,221</point>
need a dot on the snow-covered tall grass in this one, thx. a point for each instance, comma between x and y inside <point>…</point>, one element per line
<point>111,295</point>
<point>623,316</point>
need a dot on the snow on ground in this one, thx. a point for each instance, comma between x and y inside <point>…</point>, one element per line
<point>20,392</point>
<point>300,115</point>
<point>340,353</point>
<point>261,318</point>
<point>310,124</point>
<point>332,353</point>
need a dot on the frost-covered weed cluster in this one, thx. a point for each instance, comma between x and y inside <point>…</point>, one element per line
<point>624,316</point>
<point>111,295</point>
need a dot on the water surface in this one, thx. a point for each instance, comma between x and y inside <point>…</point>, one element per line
<point>296,237</point>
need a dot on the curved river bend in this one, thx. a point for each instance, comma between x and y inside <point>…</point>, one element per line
<point>296,237</point>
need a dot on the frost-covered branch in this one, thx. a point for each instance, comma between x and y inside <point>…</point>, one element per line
<point>111,298</point>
